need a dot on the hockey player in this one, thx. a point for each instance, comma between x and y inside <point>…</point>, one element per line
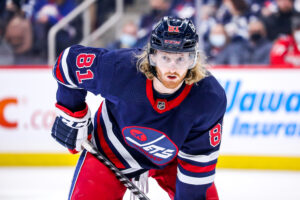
<point>162,114</point>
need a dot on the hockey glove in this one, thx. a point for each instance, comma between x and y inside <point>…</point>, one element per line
<point>72,129</point>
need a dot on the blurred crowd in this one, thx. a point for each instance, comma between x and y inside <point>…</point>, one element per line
<point>24,26</point>
<point>232,32</point>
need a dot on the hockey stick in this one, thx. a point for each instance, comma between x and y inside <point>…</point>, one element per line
<point>87,145</point>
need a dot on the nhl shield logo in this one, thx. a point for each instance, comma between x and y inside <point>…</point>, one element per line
<point>161,105</point>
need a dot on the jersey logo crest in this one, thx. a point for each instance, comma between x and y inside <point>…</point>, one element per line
<point>154,144</point>
<point>161,105</point>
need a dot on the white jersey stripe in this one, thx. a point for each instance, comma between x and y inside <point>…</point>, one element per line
<point>129,170</point>
<point>65,68</point>
<point>54,75</point>
<point>199,158</point>
<point>194,180</point>
<point>117,144</point>
<point>141,145</point>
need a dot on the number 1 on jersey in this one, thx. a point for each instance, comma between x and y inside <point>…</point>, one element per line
<point>84,60</point>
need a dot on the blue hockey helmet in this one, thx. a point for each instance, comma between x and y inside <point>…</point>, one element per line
<point>174,34</point>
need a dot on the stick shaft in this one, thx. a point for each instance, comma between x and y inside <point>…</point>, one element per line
<point>87,145</point>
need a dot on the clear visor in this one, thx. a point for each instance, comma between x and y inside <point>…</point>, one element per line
<point>182,60</point>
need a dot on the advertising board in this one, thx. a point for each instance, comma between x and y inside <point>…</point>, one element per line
<point>262,116</point>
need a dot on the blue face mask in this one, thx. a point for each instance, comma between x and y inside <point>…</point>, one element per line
<point>217,40</point>
<point>128,40</point>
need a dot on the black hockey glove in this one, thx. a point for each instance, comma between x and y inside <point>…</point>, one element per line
<point>72,129</point>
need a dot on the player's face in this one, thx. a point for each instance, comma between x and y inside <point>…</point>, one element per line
<point>179,60</point>
<point>171,68</point>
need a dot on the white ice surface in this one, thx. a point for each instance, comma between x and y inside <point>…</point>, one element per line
<point>53,184</point>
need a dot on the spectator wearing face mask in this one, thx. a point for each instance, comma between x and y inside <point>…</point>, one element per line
<point>257,48</point>
<point>286,49</point>
<point>220,49</point>
<point>128,37</point>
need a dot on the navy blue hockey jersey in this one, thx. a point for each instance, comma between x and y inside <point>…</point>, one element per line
<point>138,130</point>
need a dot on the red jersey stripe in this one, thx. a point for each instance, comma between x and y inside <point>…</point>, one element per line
<point>77,114</point>
<point>196,169</point>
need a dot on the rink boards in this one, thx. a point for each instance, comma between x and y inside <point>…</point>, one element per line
<point>261,129</point>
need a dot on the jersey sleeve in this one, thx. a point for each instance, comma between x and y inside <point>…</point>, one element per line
<point>198,156</point>
<point>79,69</point>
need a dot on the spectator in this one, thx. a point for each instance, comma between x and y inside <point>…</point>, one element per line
<point>279,22</point>
<point>262,7</point>
<point>183,9</point>
<point>257,48</point>
<point>286,49</point>
<point>46,14</point>
<point>128,37</point>
<point>19,35</point>
<point>208,11</point>
<point>6,52</point>
<point>221,49</point>
<point>9,10</point>
<point>218,39</point>
<point>207,20</point>
<point>297,5</point>
<point>235,15</point>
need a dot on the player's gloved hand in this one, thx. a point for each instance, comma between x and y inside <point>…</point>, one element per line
<point>71,129</point>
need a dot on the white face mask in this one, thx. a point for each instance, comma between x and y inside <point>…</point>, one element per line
<point>297,36</point>
<point>217,40</point>
<point>128,40</point>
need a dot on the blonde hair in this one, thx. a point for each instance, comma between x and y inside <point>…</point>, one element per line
<point>196,74</point>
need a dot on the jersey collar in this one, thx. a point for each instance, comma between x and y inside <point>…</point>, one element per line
<point>162,105</point>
